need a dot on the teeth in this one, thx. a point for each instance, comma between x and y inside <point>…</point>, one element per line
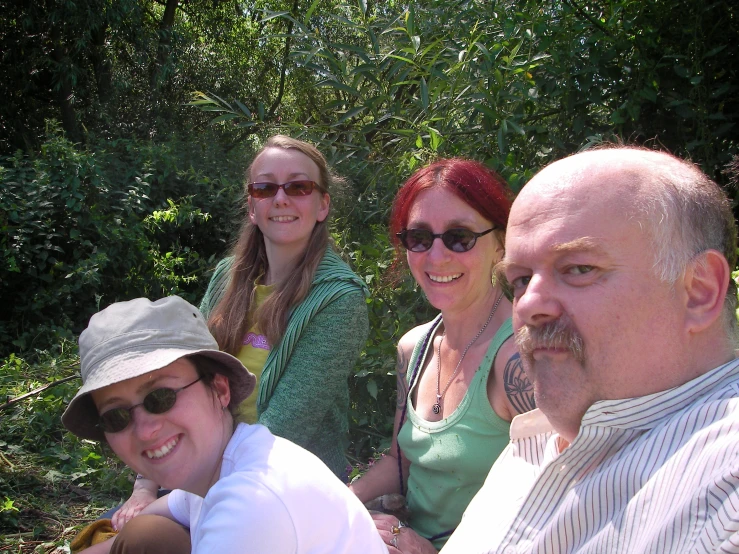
<point>444,278</point>
<point>284,218</point>
<point>163,450</point>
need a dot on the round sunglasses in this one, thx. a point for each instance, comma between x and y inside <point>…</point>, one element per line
<point>158,401</point>
<point>291,188</point>
<point>456,240</point>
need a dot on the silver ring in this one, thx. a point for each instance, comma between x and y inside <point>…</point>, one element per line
<point>401,524</point>
<point>394,541</point>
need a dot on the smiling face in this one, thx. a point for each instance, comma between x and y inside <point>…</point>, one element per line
<point>181,448</point>
<point>286,221</point>
<point>581,266</point>
<point>452,281</point>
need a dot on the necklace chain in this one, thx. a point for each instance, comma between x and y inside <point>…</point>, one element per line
<point>440,394</point>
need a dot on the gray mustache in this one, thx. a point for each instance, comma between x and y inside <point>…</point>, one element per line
<point>560,333</point>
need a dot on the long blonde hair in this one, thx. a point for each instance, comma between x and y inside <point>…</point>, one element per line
<point>231,318</point>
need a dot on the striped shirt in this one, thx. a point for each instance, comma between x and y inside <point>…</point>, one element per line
<point>657,473</point>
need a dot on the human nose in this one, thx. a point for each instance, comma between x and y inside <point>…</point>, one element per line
<point>438,250</point>
<point>145,424</point>
<point>538,303</point>
<point>281,197</point>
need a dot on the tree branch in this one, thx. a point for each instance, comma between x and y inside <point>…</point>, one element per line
<point>588,17</point>
<point>285,57</point>
<point>36,391</point>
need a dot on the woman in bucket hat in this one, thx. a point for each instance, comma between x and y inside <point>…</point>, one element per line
<point>286,305</point>
<point>158,390</point>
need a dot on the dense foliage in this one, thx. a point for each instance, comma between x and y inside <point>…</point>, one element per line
<point>125,128</point>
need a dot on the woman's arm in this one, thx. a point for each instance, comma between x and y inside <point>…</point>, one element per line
<point>160,507</point>
<point>317,371</point>
<point>384,476</point>
<point>509,389</point>
<point>144,493</point>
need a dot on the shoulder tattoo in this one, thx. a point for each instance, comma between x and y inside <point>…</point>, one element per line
<point>401,370</point>
<point>518,387</point>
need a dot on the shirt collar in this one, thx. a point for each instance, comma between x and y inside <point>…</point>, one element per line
<point>644,412</point>
<point>639,412</point>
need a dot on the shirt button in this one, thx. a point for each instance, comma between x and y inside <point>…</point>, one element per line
<point>509,550</point>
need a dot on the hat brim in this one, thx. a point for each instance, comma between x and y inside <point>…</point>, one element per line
<point>81,416</point>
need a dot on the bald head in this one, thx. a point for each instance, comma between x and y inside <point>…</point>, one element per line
<point>682,211</point>
<point>619,262</point>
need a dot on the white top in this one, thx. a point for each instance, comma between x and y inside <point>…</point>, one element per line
<point>657,473</point>
<point>274,497</point>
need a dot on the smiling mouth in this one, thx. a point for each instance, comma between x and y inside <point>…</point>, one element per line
<point>163,450</point>
<point>444,278</point>
<point>283,218</point>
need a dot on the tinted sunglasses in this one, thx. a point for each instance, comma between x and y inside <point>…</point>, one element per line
<point>158,401</point>
<point>456,240</point>
<point>291,188</point>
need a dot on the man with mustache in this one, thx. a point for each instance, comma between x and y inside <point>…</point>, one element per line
<point>624,307</point>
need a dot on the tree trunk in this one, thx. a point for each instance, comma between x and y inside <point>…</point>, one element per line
<point>285,58</point>
<point>63,91</point>
<point>165,43</point>
<point>101,65</point>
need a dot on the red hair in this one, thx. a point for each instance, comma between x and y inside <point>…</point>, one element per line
<point>482,189</point>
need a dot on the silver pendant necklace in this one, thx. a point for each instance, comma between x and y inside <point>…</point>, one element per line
<point>440,394</point>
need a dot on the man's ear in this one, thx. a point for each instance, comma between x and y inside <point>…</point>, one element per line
<point>222,388</point>
<point>706,285</point>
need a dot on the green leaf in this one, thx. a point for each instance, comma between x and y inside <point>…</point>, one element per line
<point>681,71</point>
<point>714,51</point>
<point>501,141</point>
<point>363,7</point>
<point>416,41</point>
<point>222,118</point>
<point>372,388</point>
<point>424,94</point>
<point>243,108</point>
<point>310,11</point>
<point>351,113</point>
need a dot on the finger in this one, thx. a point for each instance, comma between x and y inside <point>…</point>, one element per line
<point>116,521</point>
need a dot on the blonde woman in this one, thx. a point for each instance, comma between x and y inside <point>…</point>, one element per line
<point>288,307</point>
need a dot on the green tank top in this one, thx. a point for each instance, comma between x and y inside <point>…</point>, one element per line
<point>451,458</point>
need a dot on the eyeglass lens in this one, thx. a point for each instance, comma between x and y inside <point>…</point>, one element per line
<point>158,401</point>
<point>291,188</point>
<point>456,240</point>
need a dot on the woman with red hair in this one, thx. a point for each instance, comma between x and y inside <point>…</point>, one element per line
<point>460,378</point>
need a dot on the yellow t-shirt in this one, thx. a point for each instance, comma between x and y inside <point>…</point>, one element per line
<point>253,354</point>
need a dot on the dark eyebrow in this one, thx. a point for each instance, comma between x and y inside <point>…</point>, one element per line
<point>141,390</point>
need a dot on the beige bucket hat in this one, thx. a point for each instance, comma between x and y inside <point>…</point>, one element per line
<point>129,339</point>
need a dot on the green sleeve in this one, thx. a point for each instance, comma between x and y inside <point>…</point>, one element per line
<point>216,287</point>
<point>310,403</point>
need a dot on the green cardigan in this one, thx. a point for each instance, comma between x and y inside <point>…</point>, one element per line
<point>303,392</point>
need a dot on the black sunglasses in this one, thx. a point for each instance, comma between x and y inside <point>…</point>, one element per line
<point>291,188</point>
<point>157,401</point>
<point>456,240</point>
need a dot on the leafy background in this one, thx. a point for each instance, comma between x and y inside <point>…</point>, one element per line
<point>126,126</point>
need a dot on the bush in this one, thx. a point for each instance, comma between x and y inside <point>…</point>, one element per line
<point>82,230</point>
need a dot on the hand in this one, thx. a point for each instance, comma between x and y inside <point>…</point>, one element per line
<point>140,499</point>
<point>404,540</point>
